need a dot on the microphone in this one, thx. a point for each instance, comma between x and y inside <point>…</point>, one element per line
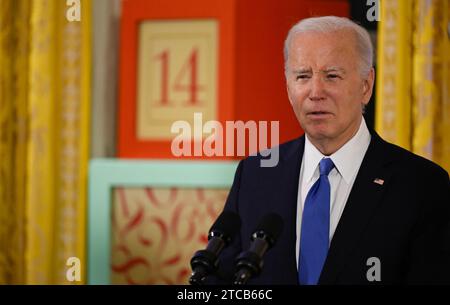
<point>250,262</point>
<point>205,262</point>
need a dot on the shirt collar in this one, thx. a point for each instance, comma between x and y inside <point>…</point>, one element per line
<point>346,159</point>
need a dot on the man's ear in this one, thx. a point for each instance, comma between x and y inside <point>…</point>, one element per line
<point>368,86</point>
<point>288,93</point>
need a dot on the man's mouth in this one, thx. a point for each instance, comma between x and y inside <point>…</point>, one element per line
<point>319,114</point>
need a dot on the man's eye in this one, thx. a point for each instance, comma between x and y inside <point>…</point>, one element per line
<point>302,76</point>
<point>333,76</point>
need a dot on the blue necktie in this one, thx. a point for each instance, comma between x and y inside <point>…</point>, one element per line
<point>314,239</point>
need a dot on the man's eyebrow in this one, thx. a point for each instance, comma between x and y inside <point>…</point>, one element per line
<point>302,70</point>
<point>325,70</point>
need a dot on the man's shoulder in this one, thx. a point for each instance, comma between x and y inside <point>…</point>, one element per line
<point>415,163</point>
<point>283,151</point>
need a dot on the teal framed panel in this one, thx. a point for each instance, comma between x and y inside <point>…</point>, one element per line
<point>106,174</point>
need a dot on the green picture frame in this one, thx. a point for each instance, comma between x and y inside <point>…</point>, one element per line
<point>107,174</point>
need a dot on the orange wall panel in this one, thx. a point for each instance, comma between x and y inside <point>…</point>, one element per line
<point>251,84</point>
<point>261,29</point>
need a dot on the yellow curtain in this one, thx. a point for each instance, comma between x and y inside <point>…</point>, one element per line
<point>431,109</point>
<point>44,114</point>
<point>13,137</point>
<point>413,77</point>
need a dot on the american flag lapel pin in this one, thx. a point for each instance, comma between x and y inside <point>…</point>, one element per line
<point>379,181</point>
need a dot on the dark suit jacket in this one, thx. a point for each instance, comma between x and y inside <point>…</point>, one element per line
<point>405,222</point>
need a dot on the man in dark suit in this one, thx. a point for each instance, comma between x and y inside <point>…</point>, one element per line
<point>356,209</point>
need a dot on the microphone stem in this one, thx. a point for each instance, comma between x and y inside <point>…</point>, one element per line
<point>259,246</point>
<point>215,245</point>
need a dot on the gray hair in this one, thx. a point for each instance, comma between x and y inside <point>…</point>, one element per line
<point>328,24</point>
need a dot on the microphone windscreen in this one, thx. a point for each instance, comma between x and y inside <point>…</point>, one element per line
<point>271,224</point>
<point>228,223</point>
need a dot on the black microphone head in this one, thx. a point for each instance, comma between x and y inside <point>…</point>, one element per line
<point>269,227</point>
<point>226,226</point>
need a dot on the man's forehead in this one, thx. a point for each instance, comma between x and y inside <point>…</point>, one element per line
<point>334,43</point>
<point>320,57</point>
<point>332,36</point>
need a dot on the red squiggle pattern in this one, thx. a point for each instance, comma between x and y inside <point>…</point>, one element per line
<point>156,231</point>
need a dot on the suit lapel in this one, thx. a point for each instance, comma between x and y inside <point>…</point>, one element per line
<point>289,172</point>
<point>360,206</point>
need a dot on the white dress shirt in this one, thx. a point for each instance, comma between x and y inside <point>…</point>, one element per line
<point>347,161</point>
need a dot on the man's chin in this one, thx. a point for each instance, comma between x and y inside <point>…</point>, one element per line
<point>318,134</point>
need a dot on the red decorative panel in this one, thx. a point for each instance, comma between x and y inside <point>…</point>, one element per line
<point>170,37</point>
<point>249,74</point>
<point>155,232</point>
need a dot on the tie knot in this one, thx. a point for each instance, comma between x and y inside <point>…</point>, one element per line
<point>325,166</point>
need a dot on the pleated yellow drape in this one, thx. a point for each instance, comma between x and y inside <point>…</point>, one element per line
<point>431,96</point>
<point>393,106</point>
<point>14,46</point>
<point>44,149</point>
<point>413,78</point>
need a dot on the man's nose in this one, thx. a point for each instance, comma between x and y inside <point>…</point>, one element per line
<point>317,89</point>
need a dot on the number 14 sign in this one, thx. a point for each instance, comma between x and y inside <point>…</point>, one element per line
<point>177,58</point>
<point>177,74</point>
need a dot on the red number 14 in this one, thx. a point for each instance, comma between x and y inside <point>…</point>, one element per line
<point>189,70</point>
